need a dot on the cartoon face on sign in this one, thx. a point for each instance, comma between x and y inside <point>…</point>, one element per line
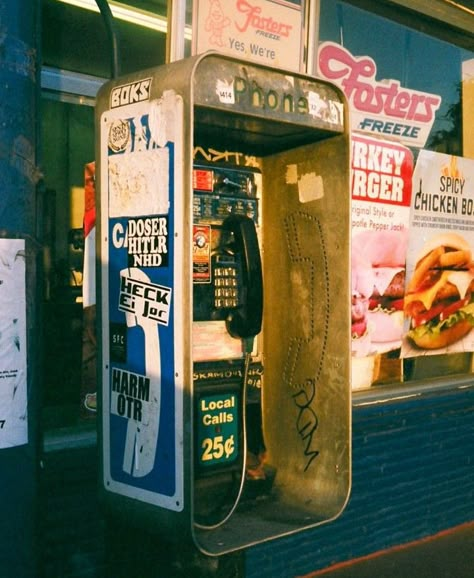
<point>216,22</point>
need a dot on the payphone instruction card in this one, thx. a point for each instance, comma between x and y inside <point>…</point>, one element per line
<point>141,204</point>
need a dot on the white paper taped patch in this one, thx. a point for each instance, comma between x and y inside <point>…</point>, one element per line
<point>310,188</point>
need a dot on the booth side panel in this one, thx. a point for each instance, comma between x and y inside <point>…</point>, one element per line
<point>306,331</point>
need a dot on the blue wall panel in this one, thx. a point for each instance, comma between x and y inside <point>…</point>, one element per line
<point>413,476</point>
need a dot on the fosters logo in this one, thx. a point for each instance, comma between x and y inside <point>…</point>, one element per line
<point>380,107</point>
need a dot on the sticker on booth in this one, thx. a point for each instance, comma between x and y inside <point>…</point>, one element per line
<point>439,300</point>
<point>141,191</point>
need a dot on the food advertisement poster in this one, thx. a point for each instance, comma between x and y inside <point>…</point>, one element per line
<point>13,362</point>
<point>381,189</point>
<point>265,31</point>
<point>439,308</point>
<point>141,200</point>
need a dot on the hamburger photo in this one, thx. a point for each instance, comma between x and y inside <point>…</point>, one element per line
<point>361,342</point>
<point>439,295</point>
<point>378,279</point>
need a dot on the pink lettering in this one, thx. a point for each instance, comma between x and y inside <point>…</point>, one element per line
<point>356,76</point>
<point>431,106</point>
<point>255,20</point>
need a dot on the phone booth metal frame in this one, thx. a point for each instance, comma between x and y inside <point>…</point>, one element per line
<point>148,127</point>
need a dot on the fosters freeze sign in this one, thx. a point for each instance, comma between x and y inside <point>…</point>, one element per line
<point>384,108</point>
<point>267,31</point>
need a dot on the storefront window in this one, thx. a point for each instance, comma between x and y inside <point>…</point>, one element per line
<point>67,145</point>
<point>416,60</point>
<point>393,76</point>
<point>75,39</point>
<point>76,52</point>
<point>77,57</point>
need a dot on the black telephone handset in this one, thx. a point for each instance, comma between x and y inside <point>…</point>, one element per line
<point>245,320</point>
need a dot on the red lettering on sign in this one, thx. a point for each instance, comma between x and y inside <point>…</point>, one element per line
<point>254,19</point>
<point>356,76</point>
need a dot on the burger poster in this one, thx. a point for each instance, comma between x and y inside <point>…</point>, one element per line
<point>439,300</point>
<point>381,186</point>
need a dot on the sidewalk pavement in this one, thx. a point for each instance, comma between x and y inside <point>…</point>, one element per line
<point>448,554</point>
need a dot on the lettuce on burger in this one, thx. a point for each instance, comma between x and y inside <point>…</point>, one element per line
<point>439,297</point>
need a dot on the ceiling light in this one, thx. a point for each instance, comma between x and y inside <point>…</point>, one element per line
<point>128,14</point>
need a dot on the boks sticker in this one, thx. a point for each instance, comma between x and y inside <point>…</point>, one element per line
<point>130,93</point>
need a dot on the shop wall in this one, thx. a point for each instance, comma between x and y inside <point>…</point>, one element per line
<point>71,521</point>
<point>412,477</point>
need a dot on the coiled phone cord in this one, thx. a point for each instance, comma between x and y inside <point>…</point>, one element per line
<point>248,356</point>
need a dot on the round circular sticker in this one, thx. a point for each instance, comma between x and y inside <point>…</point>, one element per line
<point>119,135</point>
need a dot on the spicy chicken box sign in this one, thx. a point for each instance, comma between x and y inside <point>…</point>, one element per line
<point>383,108</point>
<point>439,300</point>
<point>381,186</point>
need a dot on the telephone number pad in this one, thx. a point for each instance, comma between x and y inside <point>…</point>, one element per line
<point>225,286</point>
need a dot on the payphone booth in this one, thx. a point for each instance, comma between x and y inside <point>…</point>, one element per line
<point>224,292</point>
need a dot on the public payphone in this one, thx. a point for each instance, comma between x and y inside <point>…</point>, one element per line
<point>227,317</point>
<point>224,300</point>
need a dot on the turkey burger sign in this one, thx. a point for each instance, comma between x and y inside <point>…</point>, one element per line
<point>381,186</point>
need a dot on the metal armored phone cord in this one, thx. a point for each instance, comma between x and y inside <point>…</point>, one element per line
<point>248,343</point>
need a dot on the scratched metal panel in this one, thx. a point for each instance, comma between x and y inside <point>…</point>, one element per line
<point>264,109</point>
<point>306,326</point>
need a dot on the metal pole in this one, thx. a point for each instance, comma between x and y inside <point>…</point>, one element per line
<point>312,35</point>
<point>19,31</point>
<point>176,26</point>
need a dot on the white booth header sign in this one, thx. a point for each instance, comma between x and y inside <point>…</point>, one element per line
<point>265,31</point>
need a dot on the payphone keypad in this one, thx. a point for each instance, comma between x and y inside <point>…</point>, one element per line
<point>225,285</point>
